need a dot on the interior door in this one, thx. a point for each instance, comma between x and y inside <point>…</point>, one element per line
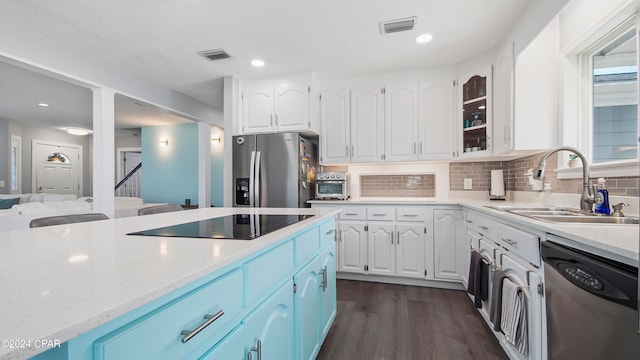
<point>56,168</point>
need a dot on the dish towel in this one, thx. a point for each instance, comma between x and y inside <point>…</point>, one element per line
<point>514,320</point>
<point>475,278</point>
<point>495,302</point>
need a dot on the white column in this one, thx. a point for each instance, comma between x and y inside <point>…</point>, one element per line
<point>231,126</point>
<point>103,152</point>
<point>204,165</point>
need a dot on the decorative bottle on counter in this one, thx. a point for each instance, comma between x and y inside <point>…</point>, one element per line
<point>602,198</point>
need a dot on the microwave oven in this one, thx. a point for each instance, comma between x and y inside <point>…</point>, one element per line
<point>332,185</point>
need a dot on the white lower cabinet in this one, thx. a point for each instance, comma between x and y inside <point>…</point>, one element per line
<point>385,240</point>
<point>450,242</point>
<point>381,249</point>
<point>513,250</point>
<point>352,246</point>
<point>411,242</point>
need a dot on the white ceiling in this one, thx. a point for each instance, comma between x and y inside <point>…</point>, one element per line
<point>160,39</point>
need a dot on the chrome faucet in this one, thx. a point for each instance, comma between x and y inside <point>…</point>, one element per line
<point>588,193</point>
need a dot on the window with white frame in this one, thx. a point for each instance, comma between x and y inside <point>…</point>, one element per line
<point>610,71</point>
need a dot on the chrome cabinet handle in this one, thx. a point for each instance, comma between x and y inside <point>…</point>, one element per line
<point>352,150</point>
<point>509,241</point>
<point>249,355</point>
<point>483,227</point>
<point>346,151</point>
<point>398,237</point>
<point>351,214</point>
<point>420,147</point>
<point>330,232</point>
<point>414,148</point>
<point>271,120</point>
<point>276,119</point>
<point>410,215</point>
<point>323,284</point>
<point>189,334</point>
<point>378,214</point>
<point>392,238</point>
<point>258,349</point>
<point>469,221</point>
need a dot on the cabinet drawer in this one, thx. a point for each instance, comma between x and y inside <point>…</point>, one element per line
<point>307,244</point>
<point>158,334</point>
<point>265,271</point>
<point>353,213</point>
<point>520,242</point>
<point>381,213</point>
<point>411,214</point>
<point>482,225</point>
<point>327,233</point>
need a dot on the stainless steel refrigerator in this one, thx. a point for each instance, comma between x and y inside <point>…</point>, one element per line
<point>273,170</point>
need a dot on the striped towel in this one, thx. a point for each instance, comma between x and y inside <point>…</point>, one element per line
<point>514,322</point>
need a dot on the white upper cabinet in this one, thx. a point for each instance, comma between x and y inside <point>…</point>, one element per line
<point>503,101</point>
<point>277,109</point>
<point>395,123</point>
<point>367,125</point>
<point>475,91</point>
<point>436,121</point>
<point>401,122</point>
<point>292,108</point>
<point>335,144</point>
<point>257,110</point>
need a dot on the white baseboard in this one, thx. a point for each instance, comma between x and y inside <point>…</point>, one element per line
<point>401,281</point>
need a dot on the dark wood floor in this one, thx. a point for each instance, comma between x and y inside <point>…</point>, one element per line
<point>396,322</point>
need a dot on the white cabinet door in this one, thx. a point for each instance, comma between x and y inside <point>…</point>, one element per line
<point>449,231</point>
<point>503,101</point>
<point>476,118</point>
<point>410,241</point>
<point>381,246</point>
<point>401,122</point>
<point>257,111</point>
<point>292,108</point>
<point>436,121</point>
<point>334,118</point>
<point>367,125</point>
<point>352,247</point>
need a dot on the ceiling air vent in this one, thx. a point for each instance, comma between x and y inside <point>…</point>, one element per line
<point>216,54</point>
<point>394,26</point>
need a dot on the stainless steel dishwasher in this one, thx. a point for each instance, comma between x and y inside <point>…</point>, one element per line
<point>592,305</point>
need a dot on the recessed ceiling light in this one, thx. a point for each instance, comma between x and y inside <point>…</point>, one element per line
<point>257,63</point>
<point>77,131</point>
<point>43,104</point>
<point>424,38</point>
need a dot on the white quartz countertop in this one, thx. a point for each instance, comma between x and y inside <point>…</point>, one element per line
<point>614,241</point>
<point>60,281</point>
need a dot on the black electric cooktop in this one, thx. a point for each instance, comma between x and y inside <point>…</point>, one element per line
<point>232,227</point>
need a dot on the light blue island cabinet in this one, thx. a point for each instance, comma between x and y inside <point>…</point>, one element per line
<point>277,303</point>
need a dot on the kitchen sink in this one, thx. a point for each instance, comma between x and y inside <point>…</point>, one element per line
<point>564,215</point>
<point>593,219</point>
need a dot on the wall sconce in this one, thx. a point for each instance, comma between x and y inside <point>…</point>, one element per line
<point>215,140</point>
<point>164,142</point>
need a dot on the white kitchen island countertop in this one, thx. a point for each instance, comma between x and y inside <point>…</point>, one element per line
<point>60,281</point>
<point>619,242</point>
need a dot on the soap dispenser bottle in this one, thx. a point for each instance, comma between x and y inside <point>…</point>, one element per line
<point>602,198</point>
